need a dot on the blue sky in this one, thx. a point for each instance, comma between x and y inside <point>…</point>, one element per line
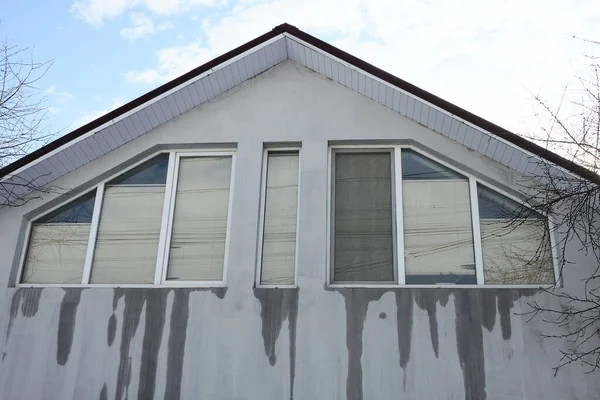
<point>487,57</point>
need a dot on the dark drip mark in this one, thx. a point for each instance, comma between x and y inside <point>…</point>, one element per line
<point>66,324</point>
<point>469,342</point>
<point>275,306</point>
<point>134,300</point>
<point>111,329</point>
<point>220,292</point>
<point>177,335</point>
<point>428,303</point>
<point>357,302</point>
<point>3,356</point>
<point>104,393</point>
<point>156,305</point>
<point>505,304</point>
<point>488,305</point>
<point>404,321</point>
<point>29,306</point>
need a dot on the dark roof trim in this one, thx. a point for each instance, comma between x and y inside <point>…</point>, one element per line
<point>334,51</point>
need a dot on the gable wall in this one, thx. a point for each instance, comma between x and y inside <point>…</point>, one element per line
<point>206,344</point>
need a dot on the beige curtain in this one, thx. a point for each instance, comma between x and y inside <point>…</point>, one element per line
<point>438,236</point>
<point>197,250</point>
<point>56,253</point>
<point>363,218</point>
<point>281,210</point>
<point>128,234</point>
<point>516,252</point>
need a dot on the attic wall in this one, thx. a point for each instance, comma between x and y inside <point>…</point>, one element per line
<point>307,343</point>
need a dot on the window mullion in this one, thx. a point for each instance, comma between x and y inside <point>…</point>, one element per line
<point>91,247</point>
<point>476,231</point>
<point>399,217</point>
<point>164,239</point>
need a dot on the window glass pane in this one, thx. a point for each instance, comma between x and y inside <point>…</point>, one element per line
<point>197,249</point>
<point>363,225</point>
<point>129,228</point>
<point>438,236</point>
<point>515,241</point>
<point>279,232</point>
<point>58,244</point>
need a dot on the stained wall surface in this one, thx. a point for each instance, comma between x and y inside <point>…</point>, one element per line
<point>312,342</point>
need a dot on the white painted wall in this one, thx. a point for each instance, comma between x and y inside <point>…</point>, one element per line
<point>222,355</point>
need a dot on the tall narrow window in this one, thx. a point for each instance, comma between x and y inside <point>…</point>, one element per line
<point>197,250</point>
<point>58,244</point>
<point>129,228</point>
<point>438,236</point>
<point>515,241</point>
<point>363,228</point>
<point>278,261</point>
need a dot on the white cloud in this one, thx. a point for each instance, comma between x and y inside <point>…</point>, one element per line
<point>172,62</point>
<point>95,12</point>
<point>89,116</point>
<point>141,25</point>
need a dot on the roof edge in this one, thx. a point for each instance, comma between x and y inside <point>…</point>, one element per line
<point>453,109</point>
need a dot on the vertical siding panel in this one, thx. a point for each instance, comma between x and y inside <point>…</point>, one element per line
<point>522,165</point>
<point>342,74</point>
<point>432,117</point>
<point>71,157</point>
<point>308,58</point>
<point>439,122</point>
<point>453,131</point>
<point>321,60</point>
<point>91,145</point>
<point>302,55</point>
<point>138,124</point>
<point>416,115</point>
<point>315,60</point>
<point>262,60</point>
<point>241,66</point>
<point>389,96</point>
<point>254,63</point>
<point>446,124</point>
<point>382,88</point>
<point>235,73</point>
<point>81,153</point>
<point>348,77</point>
<point>133,126</point>
<point>229,76</point>
<point>170,102</point>
<point>368,87</point>
<point>187,99</point>
<point>424,114</point>
<point>500,149</point>
<point>335,71</point>
<point>292,50</point>
<point>107,136</point>
<point>477,136</point>
<point>58,169</point>
<point>160,115</point>
<point>85,147</point>
<point>483,145</point>
<point>164,107</point>
<point>375,93</point>
<point>410,107</point>
<point>508,153</point>
<point>270,56</point>
<point>403,101</point>
<point>210,89</point>
<point>151,116</point>
<point>489,152</point>
<point>396,95</point>
<point>120,132</point>
<point>464,132</point>
<point>328,68</point>
<point>354,80</point>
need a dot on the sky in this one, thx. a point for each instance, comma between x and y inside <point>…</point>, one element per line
<point>489,57</point>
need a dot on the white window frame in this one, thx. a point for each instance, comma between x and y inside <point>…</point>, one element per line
<point>166,224</point>
<point>399,224</point>
<point>261,225</point>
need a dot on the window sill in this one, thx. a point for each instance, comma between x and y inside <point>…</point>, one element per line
<point>334,286</point>
<point>180,285</point>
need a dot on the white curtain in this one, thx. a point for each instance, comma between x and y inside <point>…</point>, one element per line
<point>56,253</point>
<point>281,209</point>
<point>438,236</point>
<point>516,252</point>
<point>128,234</point>
<point>197,250</point>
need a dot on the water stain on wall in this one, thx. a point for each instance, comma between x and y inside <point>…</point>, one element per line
<point>474,308</point>
<point>29,301</point>
<point>275,306</point>
<point>66,324</point>
<point>104,393</point>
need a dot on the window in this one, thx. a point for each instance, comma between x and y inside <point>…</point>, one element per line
<point>163,221</point>
<point>277,250</point>
<point>197,250</point>
<point>362,205</point>
<point>399,217</point>
<point>515,241</point>
<point>58,243</point>
<point>129,228</point>
<point>438,238</point>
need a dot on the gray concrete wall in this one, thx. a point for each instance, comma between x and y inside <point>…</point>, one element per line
<point>307,343</point>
